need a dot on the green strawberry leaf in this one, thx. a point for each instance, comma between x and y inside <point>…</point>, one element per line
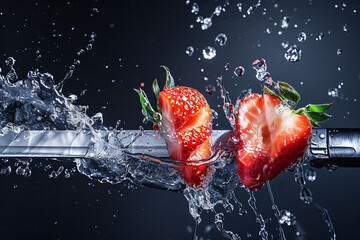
<point>148,111</point>
<point>288,92</point>
<point>170,82</point>
<point>318,107</point>
<point>314,124</point>
<point>269,91</point>
<point>156,90</point>
<point>317,116</point>
<point>299,111</point>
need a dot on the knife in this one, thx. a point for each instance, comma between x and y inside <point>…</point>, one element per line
<point>335,146</point>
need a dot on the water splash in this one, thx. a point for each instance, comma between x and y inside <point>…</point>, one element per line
<point>36,103</point>
<point>306,197</point>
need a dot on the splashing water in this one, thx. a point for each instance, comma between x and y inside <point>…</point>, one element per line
<point>37,103</point>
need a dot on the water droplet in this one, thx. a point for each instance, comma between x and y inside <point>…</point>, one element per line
<point>345,28</point>
<point>5,171</point>
<point>206,24</point>
<point>227,66</point>
<point>189,51</point>
<point>310,173</point>
<point>209,52</point>
<point>210,89</point>
<point>89,47</point>
<point>293,54</point>
<point>195,8</point>
<point>200,19</point>
<point>338,52</point>
<point>321,36</point>
<point>285,44</point>
<point>239,6</point>
<point>217,11</point>
<point>302,37</point>
<point>221,39</point>
<point>287,217</point>
<point>285,22</point>
<point>189,229</point>
<point>339,69</point>
<point>239,71</point>
<point>260,65</point>
<point>208,229</point>
<point>252,8</point>
<point>10,61</point>
<point>333,92</point>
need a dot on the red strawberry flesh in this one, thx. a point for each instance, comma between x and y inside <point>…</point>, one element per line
<point>186,121</point>
<point>264,130</point>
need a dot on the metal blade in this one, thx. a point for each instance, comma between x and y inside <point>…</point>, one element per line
<point>336,146</point>
<point>45,144</point>
<point>76,144</point>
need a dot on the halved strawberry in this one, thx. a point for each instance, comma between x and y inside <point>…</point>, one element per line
<point>186,124</point>
<point>273,136</point>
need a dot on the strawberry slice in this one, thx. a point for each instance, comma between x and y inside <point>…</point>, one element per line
<point>273,137</point>
<point>186,123</point>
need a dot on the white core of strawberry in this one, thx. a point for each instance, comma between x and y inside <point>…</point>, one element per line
<point>264,123</point>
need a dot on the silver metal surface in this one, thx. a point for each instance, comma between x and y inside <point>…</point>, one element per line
<point>45,144</point>
<point>344,143</point>
<point>319,143</point>
<point>325,143</point>
<point>73,144</point>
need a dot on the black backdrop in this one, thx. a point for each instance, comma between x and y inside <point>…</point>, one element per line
<point>145,35</point>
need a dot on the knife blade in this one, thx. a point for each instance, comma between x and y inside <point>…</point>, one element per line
<point>340,146</point>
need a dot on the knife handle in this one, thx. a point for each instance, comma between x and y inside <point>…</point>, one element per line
<point>335,146</point>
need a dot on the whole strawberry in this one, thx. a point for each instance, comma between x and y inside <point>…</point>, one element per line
<point>272,135</point>
<point>184,118</point>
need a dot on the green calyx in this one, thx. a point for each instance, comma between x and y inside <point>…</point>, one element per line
<point>315,112</point>
<point>170,82</point>
<point>148,111</point>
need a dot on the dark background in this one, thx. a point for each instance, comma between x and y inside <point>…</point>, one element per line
<point>145,35</point>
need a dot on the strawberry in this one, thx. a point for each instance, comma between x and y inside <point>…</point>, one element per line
<point>185,120</point>
<point>273,136</point>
